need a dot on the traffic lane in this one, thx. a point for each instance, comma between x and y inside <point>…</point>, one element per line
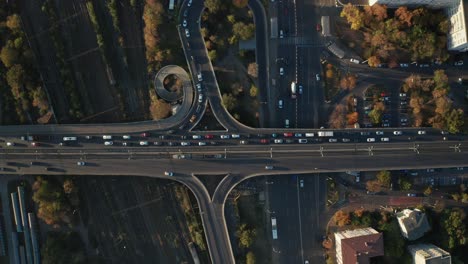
<point>313,198</point>
<point>283,202</point>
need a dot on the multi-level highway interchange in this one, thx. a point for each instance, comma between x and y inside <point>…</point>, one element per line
<point>220,156</point>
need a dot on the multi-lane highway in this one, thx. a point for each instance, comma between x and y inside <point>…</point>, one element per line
<point>224,156</point>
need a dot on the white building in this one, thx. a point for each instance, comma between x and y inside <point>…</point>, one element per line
<point>456,11</point>
<point>413,223</point>
<point>429,254</point>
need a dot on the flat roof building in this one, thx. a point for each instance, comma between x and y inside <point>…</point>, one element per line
<point>429,254</point>
<point>358,246</point>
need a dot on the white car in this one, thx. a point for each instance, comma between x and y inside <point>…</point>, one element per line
<point>201,143</point>
<point>143,143</point>
<point>126,137</point>
<point>200,77</point>
<point>385,139</point>
<point>10,144</point>
<point>107,137</point>
<point>281,33</point>
<point>235,136</point>
<point>302,141</point>
<point>421,132</point>
<point>200,98</point>
<point>345,140</point>
<point>379,133</point>
<point>268,167</point>
<point>458,63</point>
<point>224,136</point>
<point>196,136</point>
<point>80,163</point>
<point>354,61</point>
<point>397,133</point>
<point>371,140</point>
<point>187,33</point>
<point>108,143</point>
<point>402,95</point>
<point>281,71</point>
<point>184,23</point>
<point>317,77</point>
<point>300,89</point>
<point>332,140</point>
<point>301,183</point>
<point>185,143</point>
<point>168,173</point>
<point>278,141</point>
<point>189,3</point>
<point>199,89</point>
<point>280,104</point>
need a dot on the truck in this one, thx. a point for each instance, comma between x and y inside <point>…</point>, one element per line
<point>293,90</point>
<point>325,133</point>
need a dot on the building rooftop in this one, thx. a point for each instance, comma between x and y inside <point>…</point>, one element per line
<point>430,254</point>
<point>413,223</point>
<point>359,245</point>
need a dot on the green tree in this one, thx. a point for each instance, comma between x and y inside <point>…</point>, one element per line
<point>455,120</point>
<point>353,15</point>
<point>453,222</point>
<point>375,116</point>
<point>250,258</point>
<point>9,56</point>
<point>253,91</point>
<point>405,184</point>
<point>213,5</point>
<point>16,78</point>
<point>428,191</point>
<point>246,236</point>
<point>243,31</point>
<point>384,177</point>
<point>440,80</point>
<point>229,102</point>
<point>63,248</point>
<point>394,244</point>
<point>213,55</point>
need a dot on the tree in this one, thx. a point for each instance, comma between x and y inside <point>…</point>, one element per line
<point>373,186</point>
<point>246,236</point>
<point>405,184</point>
<point>404,15</point>
<point>252,69</point>
<point>375,116</point>
<point>428,191</point>
<point>63,248</point>
<point>384,177</point>
<point>440,80</point>
<point>348,82</point>
<point>253,91</point>
<point>16,78</point>
<point>453,222</point>
<point>243,31</point>
<point>229,102</point>
<point>337,117</point>
<point>353,15</point>
<point>9,56</point>
<point>455,120</point>
<point>373,61</point>
<point>159,109</point>
<point>240,3</point>
<point>341,218</point>
<point>13,22</point>
<point>250,258</point>
<point>329,73</point>
<point>352,118</point>
<point>212,54</point>
<point>213,5</point>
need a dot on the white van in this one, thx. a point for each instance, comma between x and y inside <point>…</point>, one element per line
<point>309,134</point>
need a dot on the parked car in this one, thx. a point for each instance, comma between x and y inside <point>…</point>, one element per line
<point>397,133</point>
<point>144,143</point>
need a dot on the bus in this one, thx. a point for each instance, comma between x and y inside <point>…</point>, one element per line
<point>171,4</point>
<point>274,229</point>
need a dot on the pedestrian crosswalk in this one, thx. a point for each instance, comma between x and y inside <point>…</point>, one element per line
<point>301,42</point>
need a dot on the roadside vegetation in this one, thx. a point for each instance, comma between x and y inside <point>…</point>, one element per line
<point>192,217</point>
<point>224,24</point>
<point>56,200</point>
<point>251,230</point>
<point>430,103</point>
<point>393,36</point>
<point>23,95</point>
<point>345,114</point>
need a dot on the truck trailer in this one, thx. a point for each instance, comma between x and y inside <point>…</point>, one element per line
<point>325,133</point>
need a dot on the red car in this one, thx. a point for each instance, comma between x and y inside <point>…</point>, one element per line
<point>319,27</point>
<point>288,134</point>
<point>208,136</point>
<point>145,134</point>
<point>264,141</point>
<point>35,144</point>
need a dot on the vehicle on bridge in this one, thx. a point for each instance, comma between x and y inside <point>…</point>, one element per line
<point>293,90</point>
<point>325,134</point>
<point>274,229</point>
